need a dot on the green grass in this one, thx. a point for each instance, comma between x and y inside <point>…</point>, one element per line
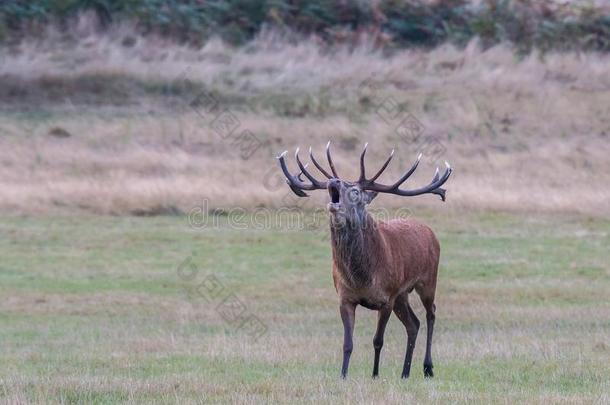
<point>93,311</point>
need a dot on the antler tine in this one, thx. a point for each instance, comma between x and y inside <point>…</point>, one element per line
<point>408,173</point>
<point>301,172</point>
<point>303,168</point>
<point>320,168</point>
<point>330,160</point>
<point>387,162</point>
<point>289,177</point>
<point>439,191</point>
<point>362,174</point>
<point>435,178</point>
<point>294,181</point>
<point>295,184</point>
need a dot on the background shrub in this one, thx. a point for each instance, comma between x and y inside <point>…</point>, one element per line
<point>391,23</point>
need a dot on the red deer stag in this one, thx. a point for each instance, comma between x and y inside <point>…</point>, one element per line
<point>377,264</point>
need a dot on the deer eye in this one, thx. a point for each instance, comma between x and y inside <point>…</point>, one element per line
<point>354,195</point>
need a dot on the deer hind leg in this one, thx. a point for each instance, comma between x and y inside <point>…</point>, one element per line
<point>430,317</point>
<point>382,321</point>
<point>406,315</point>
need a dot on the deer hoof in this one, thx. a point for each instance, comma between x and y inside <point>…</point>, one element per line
<point>428,371</point>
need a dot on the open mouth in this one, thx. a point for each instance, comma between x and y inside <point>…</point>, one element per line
<point>333,191</point>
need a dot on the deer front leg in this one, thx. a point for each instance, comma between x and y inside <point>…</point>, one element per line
<point>382,321</point>
<point>348,316</point>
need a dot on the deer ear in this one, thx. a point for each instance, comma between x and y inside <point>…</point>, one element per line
<point>369,196</point>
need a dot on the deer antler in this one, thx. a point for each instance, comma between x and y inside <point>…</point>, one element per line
<point>296,183</point>
<point>315,162</point>
<point>433,188</point>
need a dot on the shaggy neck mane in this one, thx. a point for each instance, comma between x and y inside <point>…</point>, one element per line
<point>356,245</point>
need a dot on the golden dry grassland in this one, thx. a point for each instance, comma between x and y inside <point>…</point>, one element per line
<point>113,126</point>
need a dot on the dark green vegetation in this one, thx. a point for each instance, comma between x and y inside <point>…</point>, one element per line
<point>93,311</point>
<point>393,23</point>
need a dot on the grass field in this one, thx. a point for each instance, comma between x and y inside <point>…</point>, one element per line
<point>94,310</point>
<point>108,295</point>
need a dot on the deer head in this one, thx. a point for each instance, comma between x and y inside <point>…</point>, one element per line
<point>348,200</point>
